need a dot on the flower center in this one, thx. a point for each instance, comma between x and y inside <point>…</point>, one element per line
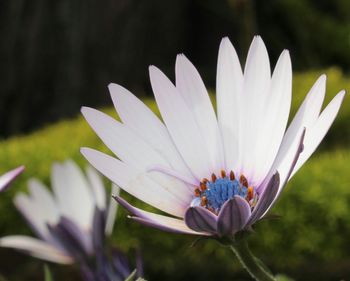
<point>213,194</point>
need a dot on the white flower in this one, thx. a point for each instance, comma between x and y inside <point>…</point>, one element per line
<point>67,219</point>
<point>214,175</point>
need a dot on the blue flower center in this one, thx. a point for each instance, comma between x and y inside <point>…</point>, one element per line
<point>213,194</point>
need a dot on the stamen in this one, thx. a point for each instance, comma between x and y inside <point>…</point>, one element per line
<point>213,194</point>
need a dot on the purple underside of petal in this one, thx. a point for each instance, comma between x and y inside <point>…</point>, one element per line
<point>146,220</point>
<point>72,238</point>
<point>265,199</point>
<point>162,227</point>
<point>129,207</point>
<point>201,220</point>
<point>296,157</point>
<point>233,216</point>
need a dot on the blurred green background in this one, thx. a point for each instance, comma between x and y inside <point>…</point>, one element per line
<point>58,55</point>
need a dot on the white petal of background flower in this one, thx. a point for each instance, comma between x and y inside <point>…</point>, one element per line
<point>33,214</point>
<point>112,210</point>
<point>43,199</point>
<point>73,193</point>
<point>97,187</point>
<point>36,248</point>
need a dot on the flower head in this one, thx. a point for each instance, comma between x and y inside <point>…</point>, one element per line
<point>213,174</point>
<point>8,177</point>
<point>71,223</point>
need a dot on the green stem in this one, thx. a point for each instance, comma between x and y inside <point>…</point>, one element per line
<point>254,266</point>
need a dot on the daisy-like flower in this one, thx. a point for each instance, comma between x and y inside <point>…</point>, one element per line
<point>7,178</point>
<point>72,223</point>
<point>212,174</point>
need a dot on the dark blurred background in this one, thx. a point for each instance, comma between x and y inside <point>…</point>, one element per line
<point>58,55</point>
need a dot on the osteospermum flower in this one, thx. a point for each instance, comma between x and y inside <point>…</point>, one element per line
<point>8,177</point>
<point>71,223</point>
<point>213,175</point>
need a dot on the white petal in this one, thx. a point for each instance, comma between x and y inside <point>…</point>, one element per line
<point>36,248</point>
<point>193,91</point>
<point>73,193</point>
<point>33,214</point>
<point>43,200</point>
<point>276,117</point>
<point>229,85</point>
<point>133,150</point>
<point>138,117</point>
<point>316,133</point>
<point>97,187</point>
<point>136,182</point>
<point>305,117</point>
<point>181,124</point>
<point>112,210</point>
<point>257,78</point>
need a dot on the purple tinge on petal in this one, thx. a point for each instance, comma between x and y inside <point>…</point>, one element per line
<point>128,206</point>
<point>162,227</point>
<point>296,157</point>
<point>233,216</point>
<point>266,199</point>
<point>201,220</point>
<point>7,178</point>
<point>174,174</point>
<point>72,238</point>
<point>140,217</point>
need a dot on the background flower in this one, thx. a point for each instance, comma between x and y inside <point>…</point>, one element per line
<point>71,223</point>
